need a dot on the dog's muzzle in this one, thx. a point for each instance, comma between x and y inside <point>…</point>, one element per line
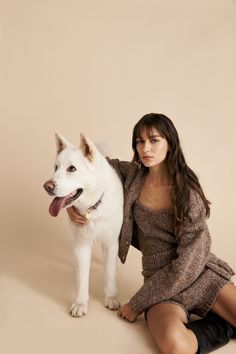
<point>60,202</point>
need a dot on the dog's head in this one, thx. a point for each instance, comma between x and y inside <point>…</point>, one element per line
<point>75,174</point>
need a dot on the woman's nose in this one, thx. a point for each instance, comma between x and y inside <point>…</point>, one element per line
<point>146,147</point>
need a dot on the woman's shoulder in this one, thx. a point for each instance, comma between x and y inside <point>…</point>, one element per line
<point>194,197</point>
<point>120,164</point>
<point>196,219</point>
<point>196,205</point>
<point>123,168</point>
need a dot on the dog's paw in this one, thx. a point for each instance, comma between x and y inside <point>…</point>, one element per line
<point>112,303</point>
<point>78,310</point>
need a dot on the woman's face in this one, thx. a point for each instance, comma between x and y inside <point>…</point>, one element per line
<point>152,149</point>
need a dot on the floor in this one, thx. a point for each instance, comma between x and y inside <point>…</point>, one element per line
<point>36,291</point>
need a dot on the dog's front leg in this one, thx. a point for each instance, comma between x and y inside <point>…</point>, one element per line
<point>110,254</point>
<point>82,265</point>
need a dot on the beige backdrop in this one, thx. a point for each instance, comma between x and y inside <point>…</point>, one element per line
<point>96,67</point>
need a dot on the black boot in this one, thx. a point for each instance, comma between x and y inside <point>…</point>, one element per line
<point>212,332</point>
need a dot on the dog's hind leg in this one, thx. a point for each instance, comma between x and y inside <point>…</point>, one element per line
<point>82,266</point>
<point>110,254</point>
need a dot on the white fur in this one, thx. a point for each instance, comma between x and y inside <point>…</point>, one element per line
<point>96,177</point>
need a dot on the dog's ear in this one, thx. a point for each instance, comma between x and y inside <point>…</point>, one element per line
<point>87,148</point>
<point>61,142</point>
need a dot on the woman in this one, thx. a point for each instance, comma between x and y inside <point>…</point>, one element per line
<point>165,213</point>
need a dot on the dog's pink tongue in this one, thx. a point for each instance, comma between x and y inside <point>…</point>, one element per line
<point>56,205</point>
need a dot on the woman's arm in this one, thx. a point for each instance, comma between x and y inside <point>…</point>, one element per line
<point>122,169</point>
<point>193,252</point>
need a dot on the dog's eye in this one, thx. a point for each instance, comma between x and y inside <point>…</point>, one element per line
<point>55,168</point>
<point>71,169</point>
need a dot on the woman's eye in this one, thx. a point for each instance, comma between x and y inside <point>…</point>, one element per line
<point>153,141</point>
<point>71,169</point>
<point>139,142</point>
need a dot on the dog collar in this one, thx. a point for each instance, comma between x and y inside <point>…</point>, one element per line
<point>94,207</point>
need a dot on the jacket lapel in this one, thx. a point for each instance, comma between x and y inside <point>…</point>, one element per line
<point>135,188</point>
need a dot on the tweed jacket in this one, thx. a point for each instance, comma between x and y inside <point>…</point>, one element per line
<point>193,244</point>
<point>132,178</point>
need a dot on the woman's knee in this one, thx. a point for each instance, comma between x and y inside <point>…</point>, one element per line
<point>170,338</point>
<point>174,341</point>
<point>225,304</point>
<point>166,324</point>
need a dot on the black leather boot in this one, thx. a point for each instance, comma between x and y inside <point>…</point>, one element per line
<point>212,332</point>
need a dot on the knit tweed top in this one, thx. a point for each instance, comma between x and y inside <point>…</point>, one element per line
<point>171,262</point>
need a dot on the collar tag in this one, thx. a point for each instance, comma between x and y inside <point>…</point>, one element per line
<point>88,214</point>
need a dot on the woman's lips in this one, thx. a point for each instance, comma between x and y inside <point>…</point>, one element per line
<point>146,158</point>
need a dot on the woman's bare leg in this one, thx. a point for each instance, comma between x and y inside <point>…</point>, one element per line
<point>166,324</point>
<point>225,304</point>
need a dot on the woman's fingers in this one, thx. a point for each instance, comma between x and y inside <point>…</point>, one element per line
<point>127,313</point>
<point>76,217</point>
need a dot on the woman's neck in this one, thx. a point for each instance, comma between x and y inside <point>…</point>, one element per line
<point>158,175</point>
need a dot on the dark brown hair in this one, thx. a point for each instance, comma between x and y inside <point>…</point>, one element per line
<point>182,177</point>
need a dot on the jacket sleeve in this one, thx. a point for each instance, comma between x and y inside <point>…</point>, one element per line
<point>192,253</point>
<point>121,167</point>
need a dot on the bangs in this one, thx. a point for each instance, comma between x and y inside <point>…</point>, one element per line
<point>148,129</point>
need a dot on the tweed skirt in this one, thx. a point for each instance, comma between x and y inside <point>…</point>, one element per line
<point>199,297</point>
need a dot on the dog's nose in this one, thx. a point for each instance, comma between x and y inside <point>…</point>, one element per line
<point>49,187</point>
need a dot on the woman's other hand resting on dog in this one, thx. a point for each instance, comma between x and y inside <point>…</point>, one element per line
<point>75,217</point>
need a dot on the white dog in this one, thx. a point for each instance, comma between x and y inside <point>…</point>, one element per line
<point>84,178</point>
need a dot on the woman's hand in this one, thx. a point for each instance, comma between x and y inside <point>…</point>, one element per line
<point>127,313</point>
<point>75,217</point>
